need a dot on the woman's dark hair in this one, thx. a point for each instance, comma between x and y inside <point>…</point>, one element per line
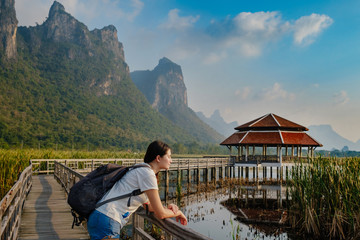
<point>155,148</point>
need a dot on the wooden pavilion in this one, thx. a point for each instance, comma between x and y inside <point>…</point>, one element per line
<point>270,139</point>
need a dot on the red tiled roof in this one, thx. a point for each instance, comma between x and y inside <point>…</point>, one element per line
<point>299,138</point>
<point>271,121</point>
<point>270,138</point>
<point>235,138</point>
<point>262,138</point>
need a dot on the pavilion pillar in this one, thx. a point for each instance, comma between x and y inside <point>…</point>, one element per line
<point>241,152</point>
<point>312,151</point>
<point>238,148</point>
<point>263,153</point>
<point>300,152</point>
<point>253,153</point>
<point>280,159</point>
<point>246,153</point>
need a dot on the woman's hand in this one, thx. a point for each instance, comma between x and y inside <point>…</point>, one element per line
<point>160,211</point>
<point>173,208</point>
<point>181,217</point>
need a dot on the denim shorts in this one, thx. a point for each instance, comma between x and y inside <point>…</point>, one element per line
<point>99,226</point>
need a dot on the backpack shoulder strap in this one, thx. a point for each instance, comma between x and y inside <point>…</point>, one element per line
<point>133,193</point>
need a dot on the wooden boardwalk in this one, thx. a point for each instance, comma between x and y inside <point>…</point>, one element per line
<point>46,213</point>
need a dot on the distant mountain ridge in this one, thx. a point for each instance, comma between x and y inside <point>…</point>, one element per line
<point>218,123</point>
<point>331,139</point>
<point>165,90</point>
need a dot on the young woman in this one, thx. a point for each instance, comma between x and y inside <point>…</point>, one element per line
<point>107,220</point>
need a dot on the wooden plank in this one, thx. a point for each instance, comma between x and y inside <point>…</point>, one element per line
<point>46,214</point>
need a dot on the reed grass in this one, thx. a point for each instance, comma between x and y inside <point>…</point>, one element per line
<point>13,162</point>
<point>325,196</point>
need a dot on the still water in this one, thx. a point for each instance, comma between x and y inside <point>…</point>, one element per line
<point>204,205</point>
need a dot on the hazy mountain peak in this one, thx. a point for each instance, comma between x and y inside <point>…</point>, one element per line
<point>216,116</point>
<point>217,122</point>
<point>330,138</point>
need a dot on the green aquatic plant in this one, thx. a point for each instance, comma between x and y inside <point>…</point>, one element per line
<point>325,195</point>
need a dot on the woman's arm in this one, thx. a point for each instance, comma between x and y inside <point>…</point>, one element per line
<point>161,212</point>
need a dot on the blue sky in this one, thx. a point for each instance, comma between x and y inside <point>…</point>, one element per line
<point>297,59</point>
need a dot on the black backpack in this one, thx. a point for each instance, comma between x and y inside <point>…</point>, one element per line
<point>85,194</point>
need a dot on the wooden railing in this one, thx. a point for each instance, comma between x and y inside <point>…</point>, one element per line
<point>260,158</point>
<point>172,230</point>
<point>12,205</point>
<point>47,166</point>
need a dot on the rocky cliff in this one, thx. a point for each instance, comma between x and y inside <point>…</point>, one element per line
<point>164,86</point>
<point>8,28</point>
<point>77,42</point>
<point>165,90</point>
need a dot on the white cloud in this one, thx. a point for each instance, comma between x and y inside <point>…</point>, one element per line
<point>258,23</point>
<point>176,22</point>
<point>341,98</point>
<point>307,28</point>
<point>243,93</point>
<point>137,7</point>
<point>276,92</point>
<point>212,58</point>
<point>248,33</point>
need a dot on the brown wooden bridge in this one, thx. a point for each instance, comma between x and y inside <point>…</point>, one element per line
<point>36,207</point>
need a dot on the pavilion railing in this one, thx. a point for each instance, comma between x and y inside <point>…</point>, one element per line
<point>268,158</point>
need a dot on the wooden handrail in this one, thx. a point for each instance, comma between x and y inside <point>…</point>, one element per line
<point>47,166</point>
<point>12,205</point>
<point>169,226</point>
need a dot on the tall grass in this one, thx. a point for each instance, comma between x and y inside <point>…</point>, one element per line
<point>11,165</point>
<point>326,198</point>
<point>13,162</point>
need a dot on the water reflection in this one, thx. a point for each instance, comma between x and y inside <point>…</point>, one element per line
<point>224,208</point>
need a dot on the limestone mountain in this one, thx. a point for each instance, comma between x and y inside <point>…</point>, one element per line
<point>71,86</point>
<point>8,28</point>
<point>165,90</point>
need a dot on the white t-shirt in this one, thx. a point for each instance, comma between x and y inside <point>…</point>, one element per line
<point>142,178</point>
